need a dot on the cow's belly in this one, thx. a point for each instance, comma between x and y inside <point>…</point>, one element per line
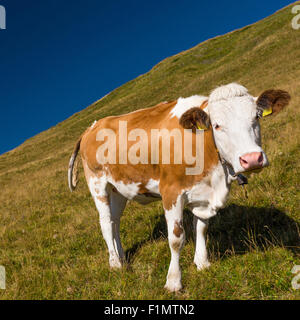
<point>132,191</point>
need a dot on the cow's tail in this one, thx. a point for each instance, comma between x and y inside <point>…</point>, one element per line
<point>72,171</point>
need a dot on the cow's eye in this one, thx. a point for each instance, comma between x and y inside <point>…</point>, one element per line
<point>217,127</point>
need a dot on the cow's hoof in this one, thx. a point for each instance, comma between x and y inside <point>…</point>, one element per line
<point>202,265</point>
<point>115,263</point>
<point>173,286</point>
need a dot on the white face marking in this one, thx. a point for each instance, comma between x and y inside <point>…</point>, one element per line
<point>184,104</point>
<point>234,111</point>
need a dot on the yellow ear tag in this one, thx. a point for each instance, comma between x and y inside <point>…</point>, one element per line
<point>267,112</point>
<point>201,127</point>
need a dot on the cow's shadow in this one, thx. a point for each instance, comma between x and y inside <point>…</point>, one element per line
<point>237,229</point>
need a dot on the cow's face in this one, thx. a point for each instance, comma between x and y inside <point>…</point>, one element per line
<point>234,116</point>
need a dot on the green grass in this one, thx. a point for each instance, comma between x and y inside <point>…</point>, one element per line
<point>51,243</point>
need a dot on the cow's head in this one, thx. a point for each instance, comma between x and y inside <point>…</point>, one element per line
<point>234,116</point>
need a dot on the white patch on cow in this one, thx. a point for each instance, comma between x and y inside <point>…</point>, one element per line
<point>210,194</point>
<point>153,186</point>
<point>184,104</point>
<point>97,186</point>
<point>92,126</point>
<point>129,190</point>
<point>220,188</point>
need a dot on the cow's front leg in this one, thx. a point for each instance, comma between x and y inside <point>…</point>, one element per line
<point>200,259</point>
<point>176,236</point>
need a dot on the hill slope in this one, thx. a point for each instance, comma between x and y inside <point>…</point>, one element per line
<point>51,244</point>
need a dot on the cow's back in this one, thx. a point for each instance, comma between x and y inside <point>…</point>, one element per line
<point>155,117</point>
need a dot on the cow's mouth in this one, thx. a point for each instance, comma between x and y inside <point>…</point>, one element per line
<point>245,172</point>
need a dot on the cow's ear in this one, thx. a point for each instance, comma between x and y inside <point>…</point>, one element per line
<point>195,118</point>
<point>272,102</point>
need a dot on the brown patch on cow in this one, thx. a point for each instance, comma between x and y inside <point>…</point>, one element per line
<point>102,199</point>
<point>178,229</point>
<point>193,118</point>
<point>275,99</point>
<point>204,105</point>
<point>176,245</point>
<point>143,189</point>
<point>174,180</point>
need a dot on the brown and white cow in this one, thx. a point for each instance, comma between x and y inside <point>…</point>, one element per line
<point>227,127</point>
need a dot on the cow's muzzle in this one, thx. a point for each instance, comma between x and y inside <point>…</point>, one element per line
<point>253,160</point>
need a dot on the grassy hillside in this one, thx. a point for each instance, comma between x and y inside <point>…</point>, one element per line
<point>50,240</point>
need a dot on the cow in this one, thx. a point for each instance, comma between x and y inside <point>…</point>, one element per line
<point>222,128</point>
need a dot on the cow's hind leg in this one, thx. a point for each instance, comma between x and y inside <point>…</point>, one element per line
<point>107,228</point>
<point>117,205</point>
<point>176,236</point>
<point>110,206</point>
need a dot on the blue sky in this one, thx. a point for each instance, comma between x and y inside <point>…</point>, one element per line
<point>59,56</point>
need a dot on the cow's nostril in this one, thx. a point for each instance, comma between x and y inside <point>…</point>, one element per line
<point>243,161</point>
<point>261,158</point>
